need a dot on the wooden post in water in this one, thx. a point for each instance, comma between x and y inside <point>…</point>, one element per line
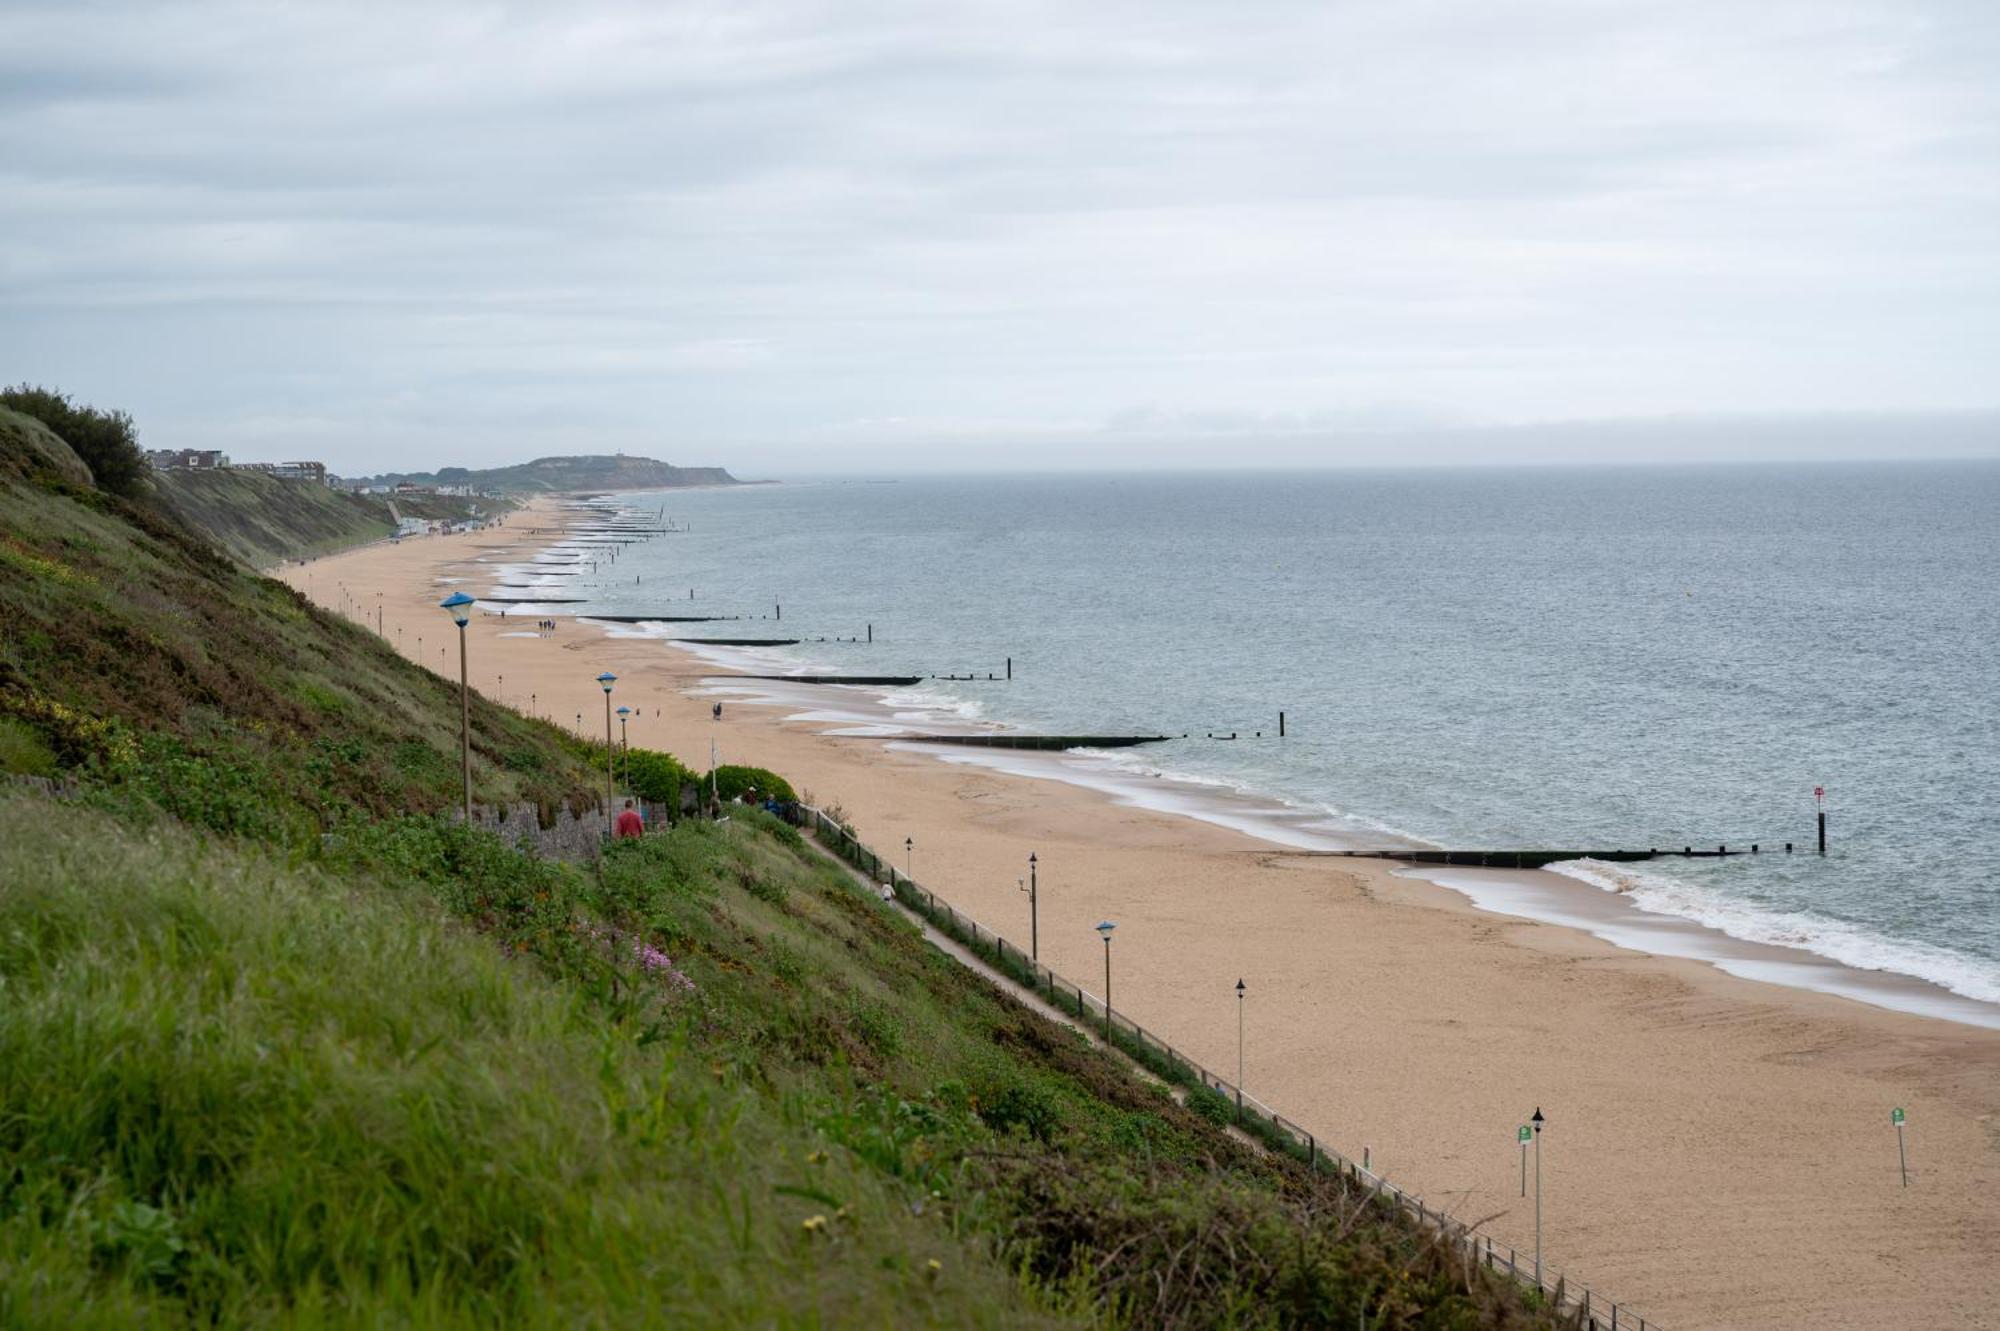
<point>1819,807</point>
<point>1010,667</point>
<point>1281,725</point>
<point>871,633</point>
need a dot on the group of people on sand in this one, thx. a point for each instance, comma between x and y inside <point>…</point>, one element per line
<point>546,625</point>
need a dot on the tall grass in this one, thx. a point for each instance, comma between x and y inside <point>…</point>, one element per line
<point>241,1094</point>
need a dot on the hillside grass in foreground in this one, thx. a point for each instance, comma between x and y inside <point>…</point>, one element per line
<point>713,1082</point>
<point>242,1094</point>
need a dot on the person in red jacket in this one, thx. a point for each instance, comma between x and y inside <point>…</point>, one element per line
<point>629,823</point>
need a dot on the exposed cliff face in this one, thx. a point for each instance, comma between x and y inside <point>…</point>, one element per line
<point>588,472</point>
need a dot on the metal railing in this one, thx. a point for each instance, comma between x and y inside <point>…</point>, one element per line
<point>1245,1111</point>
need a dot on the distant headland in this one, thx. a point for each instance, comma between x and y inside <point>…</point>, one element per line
<point>556,475</point>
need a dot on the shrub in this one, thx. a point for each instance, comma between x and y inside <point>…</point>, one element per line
<point>1024,1105</point>
<point>1211,1104</point>
<point>731,781</point>
<point>657,776</point>
<point>22,751</point>
<point>107,441</point>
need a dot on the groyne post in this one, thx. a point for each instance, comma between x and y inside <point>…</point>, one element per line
<point>871,633</point>
<point>1281,725</point>
<point>1010,667</point>
<point>1819,807</point>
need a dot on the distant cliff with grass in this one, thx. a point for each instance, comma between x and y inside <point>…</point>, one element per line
<point>263,519</point>
<point>560,475</point>
<point>288,1045</point>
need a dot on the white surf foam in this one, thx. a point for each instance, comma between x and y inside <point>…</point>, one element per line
<point>1836,940</point>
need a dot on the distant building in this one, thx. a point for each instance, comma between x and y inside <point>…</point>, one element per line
<point>314,472</point>
<point>412,488</point>
<point>187,459</point>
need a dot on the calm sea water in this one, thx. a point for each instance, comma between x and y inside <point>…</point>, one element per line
<point>1573,658</point>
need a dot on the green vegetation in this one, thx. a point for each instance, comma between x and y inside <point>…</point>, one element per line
<point>655,776</point>
<point>712,1080</point>
<point>732,780</point>
<point>106,441</point>
<point>174,678</point>
<point>284,1046</point>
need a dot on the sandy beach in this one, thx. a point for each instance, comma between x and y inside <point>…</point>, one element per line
<point>1719,1150</point>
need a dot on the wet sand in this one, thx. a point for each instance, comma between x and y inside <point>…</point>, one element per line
<point>1718,1151</point>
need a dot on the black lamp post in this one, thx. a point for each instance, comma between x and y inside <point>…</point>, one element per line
<point>1536,1123</point>
<point>1104,928</point>
<point>1034,923</point>
<point>607,679</point>
<point>1239,1050</point>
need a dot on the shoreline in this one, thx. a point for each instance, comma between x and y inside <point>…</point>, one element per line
<point>1714,1134</point>
<point>1548,896</point>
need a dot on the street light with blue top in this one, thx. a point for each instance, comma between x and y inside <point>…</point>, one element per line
<point>459,606</point>
<point>625,744</point>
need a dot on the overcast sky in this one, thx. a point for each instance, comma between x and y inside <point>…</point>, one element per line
<point>800,236</point>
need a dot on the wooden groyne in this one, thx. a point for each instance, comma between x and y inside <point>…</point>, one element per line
<point>833,679</point>
<point>741,642</point>
<point>665,619</point>
<point>1042,742</point>
<point>1537,859</point>
<point>534,600</point>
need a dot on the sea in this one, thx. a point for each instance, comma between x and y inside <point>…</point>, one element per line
<point>1590,658</point>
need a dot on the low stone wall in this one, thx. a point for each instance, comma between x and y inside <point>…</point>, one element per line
<point>571,837</point>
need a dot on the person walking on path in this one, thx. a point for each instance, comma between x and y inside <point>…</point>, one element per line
<point>629,823</point>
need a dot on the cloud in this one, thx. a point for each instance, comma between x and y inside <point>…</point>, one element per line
<point>734,231</point>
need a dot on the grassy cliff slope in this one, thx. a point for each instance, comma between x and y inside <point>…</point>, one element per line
<point>141,657</point>
<point>283,1047</point>
<point>262,519</point>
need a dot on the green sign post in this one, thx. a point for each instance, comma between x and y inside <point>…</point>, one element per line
<point>1902,1157</point>
<point>1522,1137</point>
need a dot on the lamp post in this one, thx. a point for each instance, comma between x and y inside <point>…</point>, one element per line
<point>1239,1051</point>
<point>458,606</point>
<point>1034,910</point>
<point>909,858</point>
<point>1536,1123</point>
<point>625,744</point>
<point>607,679</point>
<point>1104,928</point>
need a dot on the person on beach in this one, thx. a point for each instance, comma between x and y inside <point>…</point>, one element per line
<point>717,712</point>
<point>629,823</point>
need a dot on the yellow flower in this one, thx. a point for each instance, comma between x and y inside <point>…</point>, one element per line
<point>813,1224</point>
<point>816,1158</point>
<point>933,1268</point>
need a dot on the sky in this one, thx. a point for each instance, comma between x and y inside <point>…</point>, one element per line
<point>799,236</point>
